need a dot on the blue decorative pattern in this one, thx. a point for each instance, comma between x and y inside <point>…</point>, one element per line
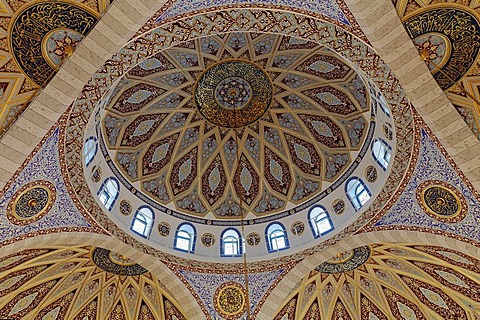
<point>407,212</point>
<point>43,166</point>
<point>327,8</point>
<point>205,285</point>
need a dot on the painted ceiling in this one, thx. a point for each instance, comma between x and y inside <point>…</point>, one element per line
<point>172,125</point>
<point>452,48</point>
<point>386,281</point>
<point>307,123</point>
<point>31,53</point>
<point>81,283</point>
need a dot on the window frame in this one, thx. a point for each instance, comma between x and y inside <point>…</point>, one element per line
<point>86,151</point>
<point>104,191</point>
<point>192,239</point>
<point>314,224</point>
<point>238,240</point>
<point>355,198</point>
<point>383,105</point>
<point>148,225</point>
<point>269,239</point>
<point>387,150</point>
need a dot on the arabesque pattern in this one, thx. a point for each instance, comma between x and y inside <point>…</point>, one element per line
<point>158,122</point>
<point>396,282</point>
<point>64,283</point>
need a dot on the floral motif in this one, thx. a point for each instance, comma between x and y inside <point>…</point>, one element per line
<point>31,202</point>
<point>230,300</point>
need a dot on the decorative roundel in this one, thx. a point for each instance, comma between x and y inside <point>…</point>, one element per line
<point>233,93</point>
<point>31,202</point>
<point>125,207</point>
<point>388,132</point>
<point>116,263</point>
<point>449,56</point>
<point>371,174</point>
<point>63,26</point>
<point>96,174</point>
<point>442,201</point>
<point>208,239</point>
<point>338,206</point>
<point>346,261</point>
<point>253,239</point>
<point>230,300</point>
<point>298,228</point>
<point>164,229</point>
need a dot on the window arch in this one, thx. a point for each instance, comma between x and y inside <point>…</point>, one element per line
<point>383,104</point>
<point>319,221</point>
<point>276,237</point>
<point>231,243</point>
<point>381,152</point>
<point>185,238</point>
<point>90,150</point>
<point>357,192</point>
<point>108,192</point>
<point>143,221</point>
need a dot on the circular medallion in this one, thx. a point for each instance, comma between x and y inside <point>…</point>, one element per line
<point>253,239</point>
<point>116,263</point>
<point>443,44</point>
<point>388,132</point>
<point>208,239</point>
<point>31,202</point>
<point>60,44</point>
<point>442,201</point>
<point>96,174</point>
<point>230,300</point>
<point>338,206</point>
<point>346,261</point>
<point>38,56</point>
<point>125,207</point>
<point>436,47</point>
<point>371,174</point>
<point>164,229</point>
<point>298,228</point>
<point>233,93</point>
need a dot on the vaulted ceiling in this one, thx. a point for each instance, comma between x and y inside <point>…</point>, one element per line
<point>224,115</point>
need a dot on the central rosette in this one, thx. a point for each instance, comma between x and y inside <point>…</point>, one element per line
<point>233,93</point>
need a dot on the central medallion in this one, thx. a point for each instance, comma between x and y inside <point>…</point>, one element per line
<point>233,93</point>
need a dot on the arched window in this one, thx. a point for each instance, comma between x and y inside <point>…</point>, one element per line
<point>383,104</point>
<point>108,192</point>
<point>382,152</point>
<point>185,238</point>
<point>231,243</point>
<point>357,192</point>
<point>90,150</point>
<point>276,237</point>
<point>320,221</point>
<point>143,221</point>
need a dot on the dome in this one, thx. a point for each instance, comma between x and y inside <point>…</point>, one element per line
<point>267,120</point>
<point>237,129</point>
<point>238,160</point>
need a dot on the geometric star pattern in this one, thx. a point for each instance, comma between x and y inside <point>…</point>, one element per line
<point>157,136</point>
<point>396,282</point>
<point>64,283</point>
